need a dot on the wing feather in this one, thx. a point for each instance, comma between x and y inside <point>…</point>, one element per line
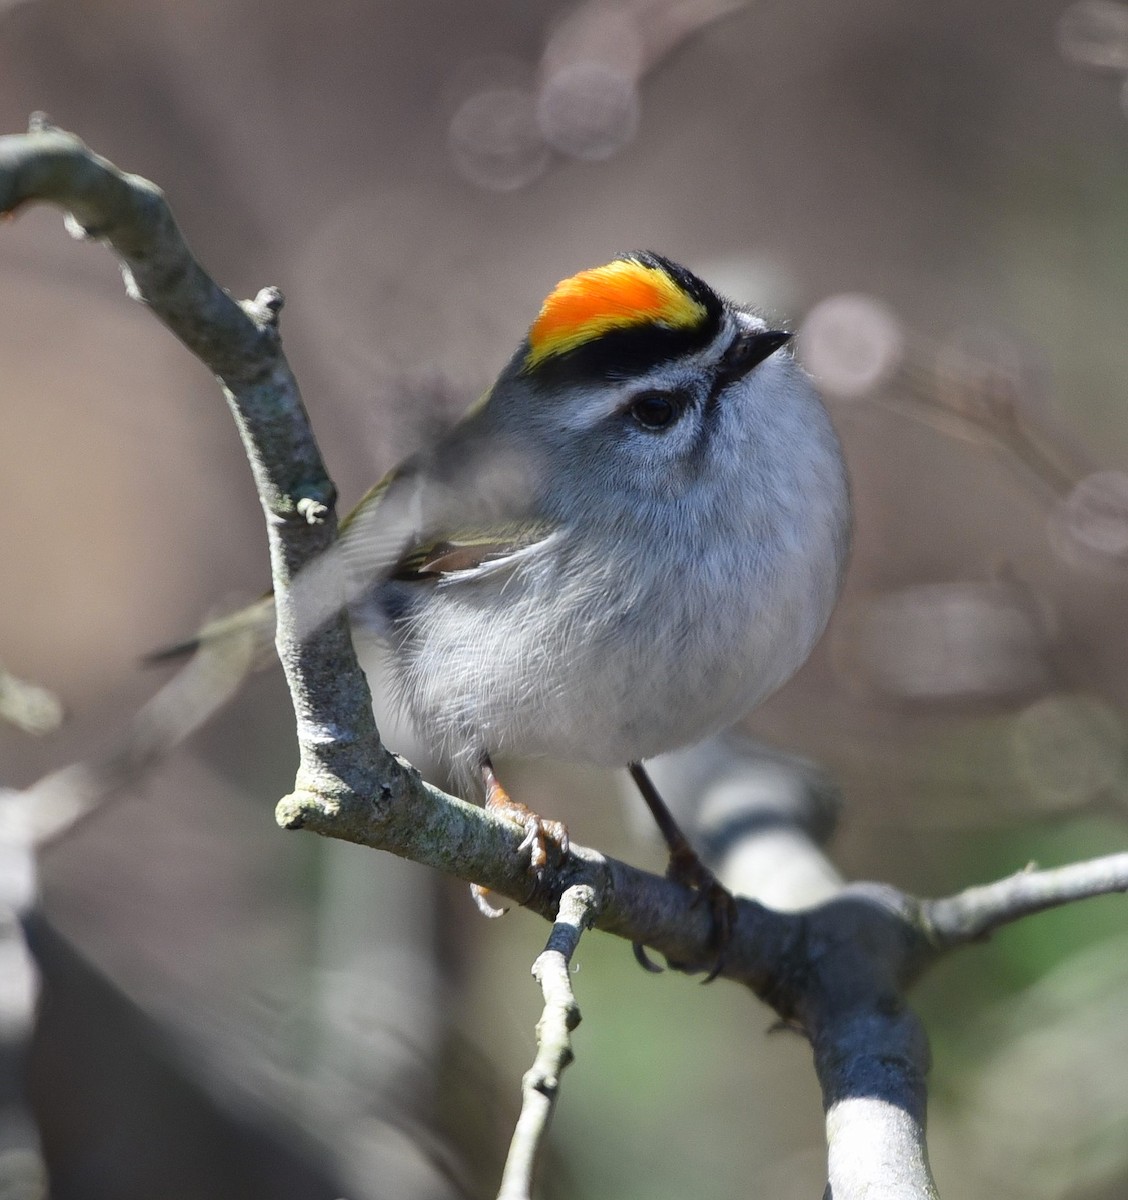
<point>474,551</point>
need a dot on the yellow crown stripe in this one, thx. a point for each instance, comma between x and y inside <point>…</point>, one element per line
<point>619,295</point>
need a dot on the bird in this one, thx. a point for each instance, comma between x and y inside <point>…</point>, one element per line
<point>633,538</point>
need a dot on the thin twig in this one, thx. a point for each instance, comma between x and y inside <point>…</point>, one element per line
<point>561,1015</point>
<point>975,912</point>
<point>58,803</point>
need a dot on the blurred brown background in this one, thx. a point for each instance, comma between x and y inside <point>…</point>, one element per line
<point>937,196</point>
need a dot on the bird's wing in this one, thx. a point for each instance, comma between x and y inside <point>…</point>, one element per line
<point>464,505</point>
<point>471,553</point>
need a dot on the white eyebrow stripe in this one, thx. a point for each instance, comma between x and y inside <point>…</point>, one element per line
<point>601,401</point>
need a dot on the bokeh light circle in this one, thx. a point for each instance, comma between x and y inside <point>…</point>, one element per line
<point>1090,525</point>
<point>851,344</point>
<point>1094,33</point>
<point>958,641</point>
<point>588,110</point>
<point>1067,750</point>
<point>494,139</point>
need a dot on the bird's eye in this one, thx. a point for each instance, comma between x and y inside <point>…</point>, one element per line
<point>655,410</point>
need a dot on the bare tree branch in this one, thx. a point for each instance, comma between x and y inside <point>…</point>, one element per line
<point>973,914</point>
<point>764,814</point>
<point>240,344</point>
<point>561,1015</point>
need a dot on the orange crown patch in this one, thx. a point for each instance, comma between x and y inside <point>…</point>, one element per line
<point>622,294</point>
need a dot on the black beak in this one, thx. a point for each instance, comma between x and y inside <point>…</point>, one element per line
<point>767,343</point>
<point>751,350</point>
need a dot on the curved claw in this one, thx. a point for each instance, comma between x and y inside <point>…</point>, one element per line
<point>722,911</point>
<point>540,833</point>
<point>484,906</point>
<point>688,870</point>
<point>644,960</point>
<point>718,967</point>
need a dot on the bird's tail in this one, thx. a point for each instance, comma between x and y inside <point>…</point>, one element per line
<point>253,626</point>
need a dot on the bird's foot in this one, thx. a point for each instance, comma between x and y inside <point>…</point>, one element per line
<point>686,868</point>
<point>541,834</point>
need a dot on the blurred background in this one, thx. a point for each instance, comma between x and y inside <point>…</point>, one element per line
<point>936,196</point>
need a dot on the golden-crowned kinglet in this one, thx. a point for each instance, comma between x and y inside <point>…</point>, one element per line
<point>632,539</point>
